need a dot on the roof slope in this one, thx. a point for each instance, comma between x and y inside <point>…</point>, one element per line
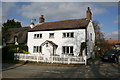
<point>61,25</point>
<point>21,33</point>
<point>110,41</point>
<point>47,41</point>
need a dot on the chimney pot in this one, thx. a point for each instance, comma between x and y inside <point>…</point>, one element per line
<point>41,19</point>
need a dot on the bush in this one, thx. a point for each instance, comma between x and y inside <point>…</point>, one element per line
<point>8,53</point>
<point>9,50</point>
<point>25,52</point>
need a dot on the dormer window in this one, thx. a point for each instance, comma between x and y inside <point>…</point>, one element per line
<point>16,40</point>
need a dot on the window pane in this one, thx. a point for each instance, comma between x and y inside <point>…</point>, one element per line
<point>34,48</point>
<point>37,49</point>
<point>68,35</point>
<point>37,35</point>
<point>72,34</point>
<point>63,50</point>
<point>40,48</point>
<point>64,34</point>
<point>34,35</point>
<point>67,49</point>
<point>40,35</point>
<point>51,35</point>
<point>91,36</point>
<point>71,49</point>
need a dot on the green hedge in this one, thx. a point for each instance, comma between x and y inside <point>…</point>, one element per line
<point>9,50</point>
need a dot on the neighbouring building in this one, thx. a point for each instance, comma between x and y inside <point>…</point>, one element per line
<point>15,36</point>
<point>114,43</point>
<point>62,37</point>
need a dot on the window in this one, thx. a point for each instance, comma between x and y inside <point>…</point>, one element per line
<point>68,35</point>
<point>91,36</point>
<point>64,34</point>
<point>34,49</point>
<point>51,35</point>
<point>72,34</point>
<point>40,35</point>
<point>15,39</point>
<point>71,49</point>
<point>67,50</point>
<point>37,36</point>
<point>46,44</point>
<point>37,49</point>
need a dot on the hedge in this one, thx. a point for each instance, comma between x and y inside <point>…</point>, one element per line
<point>9,50</point>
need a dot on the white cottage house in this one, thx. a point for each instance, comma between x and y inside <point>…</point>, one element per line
<point>62,37</point>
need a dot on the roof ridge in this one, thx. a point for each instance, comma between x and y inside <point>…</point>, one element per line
<point>66,20</point>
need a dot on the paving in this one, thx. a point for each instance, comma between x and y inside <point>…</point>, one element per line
<point>92,70</point>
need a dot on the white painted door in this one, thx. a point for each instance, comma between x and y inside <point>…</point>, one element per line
<point>46,51</point>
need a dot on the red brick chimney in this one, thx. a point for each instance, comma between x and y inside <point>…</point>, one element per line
<point>88,14</point>
<point>41,19</point>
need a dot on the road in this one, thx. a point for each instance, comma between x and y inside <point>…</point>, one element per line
<point>93,70</point>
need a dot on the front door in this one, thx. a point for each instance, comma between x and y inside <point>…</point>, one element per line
<point>47,51</point>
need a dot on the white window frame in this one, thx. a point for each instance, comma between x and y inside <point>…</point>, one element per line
<point>37,36</point>
<point>67,50</point>
<point>37,49</point>
<point>51,35</point>
<point>68,35</point>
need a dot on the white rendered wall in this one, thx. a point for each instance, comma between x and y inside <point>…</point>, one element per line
<point>90,44</point>
<point>79,36</point>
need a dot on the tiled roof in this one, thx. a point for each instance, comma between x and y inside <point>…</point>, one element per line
<point>61,25</point>
<point>21,33</point>
<point>52,43</point>
<point>110,41</point>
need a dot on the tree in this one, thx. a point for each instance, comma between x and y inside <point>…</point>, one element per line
<point>100,41</point>
<point>10,24</point>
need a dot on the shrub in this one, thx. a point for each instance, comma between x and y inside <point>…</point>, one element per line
<point>55,55</point>
<point>8,53</point>
<point>9,50</point>
<point>25,52</point>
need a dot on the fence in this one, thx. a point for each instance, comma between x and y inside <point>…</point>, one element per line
<point>51,59</point>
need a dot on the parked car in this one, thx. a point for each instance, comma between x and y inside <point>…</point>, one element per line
<point>111,55</point>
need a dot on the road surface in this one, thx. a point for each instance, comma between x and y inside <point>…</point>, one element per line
<point>93,70</point>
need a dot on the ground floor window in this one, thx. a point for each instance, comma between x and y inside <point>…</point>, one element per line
<point>67,50</point>
<point>37,49</point>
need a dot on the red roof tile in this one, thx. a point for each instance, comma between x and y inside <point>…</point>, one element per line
<point>60,25</point>
<point>110,41</point>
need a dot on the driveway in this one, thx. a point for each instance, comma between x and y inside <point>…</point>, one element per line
<point>93,70</point>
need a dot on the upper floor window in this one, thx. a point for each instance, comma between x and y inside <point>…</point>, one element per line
<point>37,36</point>
<point>51,35</point>
<point>68,34</point>
<point>91,36</point>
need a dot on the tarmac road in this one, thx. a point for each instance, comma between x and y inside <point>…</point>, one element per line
<point>93,70</point>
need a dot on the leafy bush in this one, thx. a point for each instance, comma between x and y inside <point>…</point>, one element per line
<point>8,53</point>
<point>55,55</point>
<point>9,50</point>
<point>25,52</point>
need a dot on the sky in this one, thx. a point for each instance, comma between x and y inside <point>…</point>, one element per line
<point>106,13</point>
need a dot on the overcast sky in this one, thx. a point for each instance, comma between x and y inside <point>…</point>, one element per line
<point>106,13</point>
